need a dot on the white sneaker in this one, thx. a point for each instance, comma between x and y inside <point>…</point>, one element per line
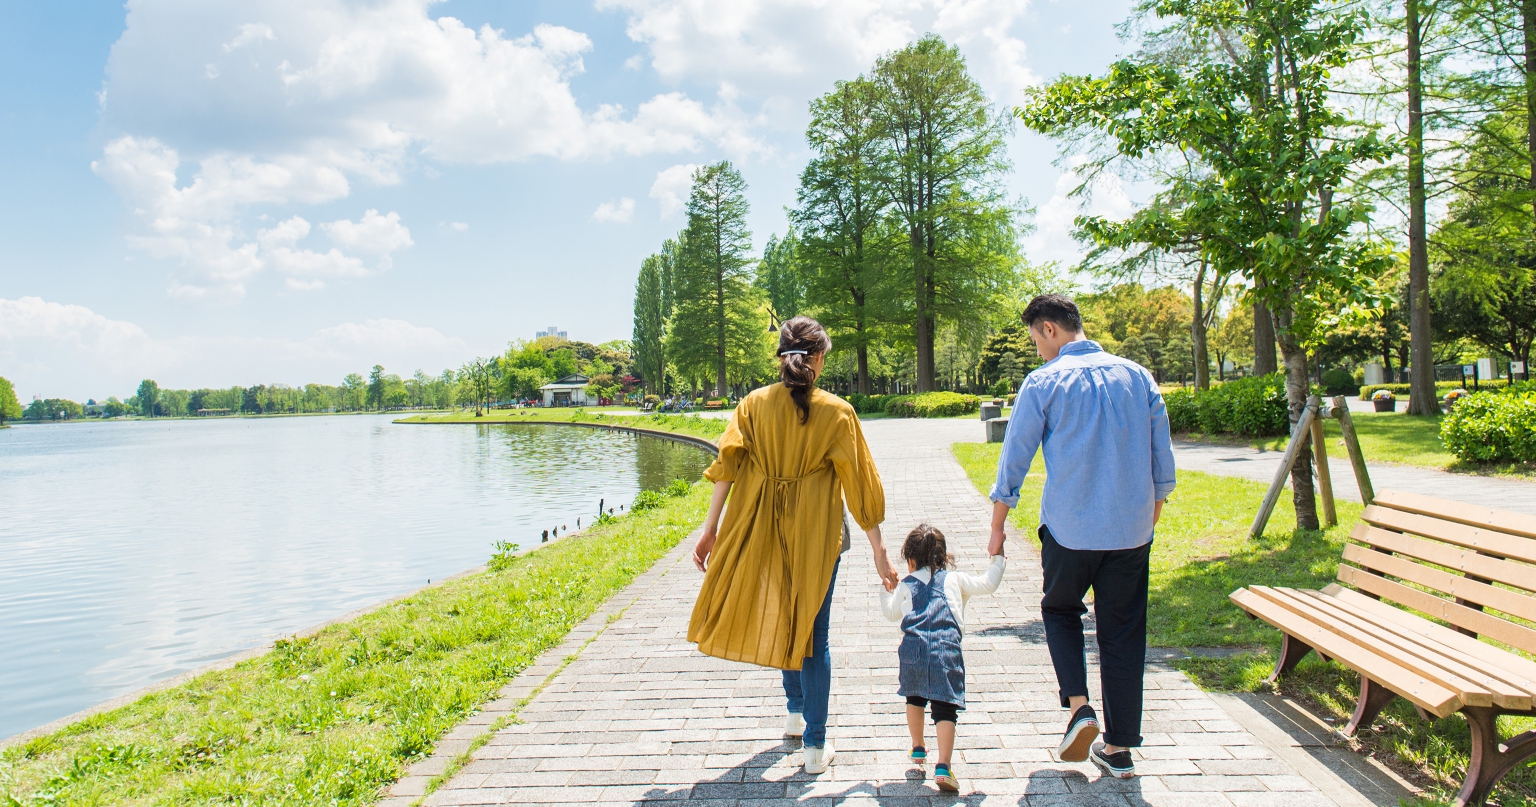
<point>794,725</point>
<point>817,760</point>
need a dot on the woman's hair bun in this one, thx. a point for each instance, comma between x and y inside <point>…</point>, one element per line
<point>800,338</point>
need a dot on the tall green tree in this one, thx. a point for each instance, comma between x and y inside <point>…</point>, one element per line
<point>376,387</point>
<point>717,318</point>
<point>650,324</point>
<point>943,160</point>
<point>9,406</point>
<point>149,397</point>
<point>849,252</point>
<point>778,278</point>
<point>1253,103</point>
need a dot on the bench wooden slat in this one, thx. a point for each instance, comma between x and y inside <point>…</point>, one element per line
<point>1471,692</point>
<point>1517,670</point>
<point>1460,615</point>
<point>1509,602</point>
<point>1401,645</point>
<point>1430,696</point>
<point>1485,517</point>
<point>1465,561</point>
<point>1487,541</point>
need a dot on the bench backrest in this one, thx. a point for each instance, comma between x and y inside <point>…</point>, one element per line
<point>1453,561</point>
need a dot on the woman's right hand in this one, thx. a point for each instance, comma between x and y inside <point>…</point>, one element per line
<point>702,549</point>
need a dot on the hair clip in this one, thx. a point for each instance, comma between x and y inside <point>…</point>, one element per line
<point>793,352</point>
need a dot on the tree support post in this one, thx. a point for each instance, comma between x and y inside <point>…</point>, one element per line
<point>1298,437</point>
<point>1352,445</point>
<point>1320,455</point>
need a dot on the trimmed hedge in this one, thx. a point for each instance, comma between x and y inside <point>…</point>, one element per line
<point>1495,426</point>
<point>931,405</point>
<point>1252,406</point>
<point>1402,390</point>
<point>867,404</point>
<point>1340,382</point>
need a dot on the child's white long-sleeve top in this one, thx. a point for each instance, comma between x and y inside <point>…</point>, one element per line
<point>958,587</point>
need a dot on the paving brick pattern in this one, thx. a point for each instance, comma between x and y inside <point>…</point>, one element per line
<point>641,718</point>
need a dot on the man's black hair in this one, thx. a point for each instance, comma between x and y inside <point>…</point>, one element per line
<point>1057,308</point>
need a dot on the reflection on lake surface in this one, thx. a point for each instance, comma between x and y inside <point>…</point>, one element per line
<point>130,552</point>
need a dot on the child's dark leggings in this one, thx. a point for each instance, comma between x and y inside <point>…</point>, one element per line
<point>941,711</point>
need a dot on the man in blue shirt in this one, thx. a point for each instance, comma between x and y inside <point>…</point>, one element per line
<point>1109,468</point>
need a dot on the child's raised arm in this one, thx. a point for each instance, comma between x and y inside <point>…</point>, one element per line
<point>985,583</point>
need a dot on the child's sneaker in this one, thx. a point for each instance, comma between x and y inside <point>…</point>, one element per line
<point>919,754</point>
<point>794,725</point>
<point>945,779</point>
<point>1119,764</point>
<point>1081,732</point>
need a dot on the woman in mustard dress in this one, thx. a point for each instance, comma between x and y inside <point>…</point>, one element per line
<point>794,454</point>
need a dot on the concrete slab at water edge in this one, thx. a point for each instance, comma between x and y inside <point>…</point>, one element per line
<point>639,716</point>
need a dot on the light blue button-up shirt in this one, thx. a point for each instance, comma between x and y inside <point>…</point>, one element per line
<point>1108,454</point>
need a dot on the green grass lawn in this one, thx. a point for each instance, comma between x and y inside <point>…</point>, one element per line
<point>691,425</point>
<point>1202,553</point>
<point>1405,440</point>
<point>336,717</point>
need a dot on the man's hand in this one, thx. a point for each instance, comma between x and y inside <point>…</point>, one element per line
<point>1157,510</point>
<point>999,529</point>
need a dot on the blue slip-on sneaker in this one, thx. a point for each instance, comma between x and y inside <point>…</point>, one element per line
<point>1119,764</point>
<point>945,779</point>
<point>1082,730</point>
<point>919,754</point>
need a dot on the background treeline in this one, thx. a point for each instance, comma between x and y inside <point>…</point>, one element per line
<point>515,376</point>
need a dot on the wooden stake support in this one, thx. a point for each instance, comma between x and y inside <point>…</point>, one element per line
<point>1310,425</point>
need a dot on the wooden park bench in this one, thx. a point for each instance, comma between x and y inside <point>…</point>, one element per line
<point>718,403</point>
<point>1455,563</point>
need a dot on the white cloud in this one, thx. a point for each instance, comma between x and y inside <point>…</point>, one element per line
<point>61,350</point>
<point>249,32</point>
<point>372,233</point>
<point>459,226</point>
<point>1052,239</point>
<point>617,212</point>
<point>799,47</point>
<point>672,187</point>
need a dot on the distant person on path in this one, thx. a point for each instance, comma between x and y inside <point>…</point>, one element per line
<point>1108,470</point>
<point>930,605</point>
<point>794,454</point>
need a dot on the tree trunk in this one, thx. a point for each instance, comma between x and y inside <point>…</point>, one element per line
<point>1297,389</point>
<point>1421,380</point>
<point>1263,340</point>
<point>923,328</point>
<point>1197,333</point>
<point>720,333</point>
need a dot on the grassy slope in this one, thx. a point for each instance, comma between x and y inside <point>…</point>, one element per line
<point>691,425</point>
<point>1405,440</point>
<point>1202,554</point>
<point>333,719</point>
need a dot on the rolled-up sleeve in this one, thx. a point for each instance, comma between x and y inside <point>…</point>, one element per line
<point>734,445</point>
<point>1026,428</point>
<point>862,489</point>
<point>1164,477</point>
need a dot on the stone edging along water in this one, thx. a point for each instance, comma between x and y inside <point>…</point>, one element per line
<point>246,655</point>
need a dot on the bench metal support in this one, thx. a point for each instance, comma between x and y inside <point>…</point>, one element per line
<point>1491,759</point>
<point>1292,650</point>
<point>1373,698</point>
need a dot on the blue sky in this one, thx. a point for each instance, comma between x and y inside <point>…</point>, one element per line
<point>259,192</point>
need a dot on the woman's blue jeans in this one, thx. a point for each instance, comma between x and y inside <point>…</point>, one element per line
<point>809,688</point>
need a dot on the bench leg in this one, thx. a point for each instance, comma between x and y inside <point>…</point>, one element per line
<point>1291,652</point>
<point>1373,698</point>
<point>1491,759</point>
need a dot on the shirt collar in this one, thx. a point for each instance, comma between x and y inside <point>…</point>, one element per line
<point>924,574</point>
<point>1081,346</point>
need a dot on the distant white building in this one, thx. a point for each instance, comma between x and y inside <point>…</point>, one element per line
<point>550,331</point>
<point>568,391</point>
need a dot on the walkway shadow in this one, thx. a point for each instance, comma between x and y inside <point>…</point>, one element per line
<point>1071,786</point>
<point>764,780</point>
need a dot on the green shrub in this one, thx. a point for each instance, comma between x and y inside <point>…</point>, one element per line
<point>679,487</point>
<point>1402,390</point>
<point>1494,426</point>
<point>932,405</point>
<point>646,500</point>
<point>1340,382</point>
<point>868,404</point>
<point>1253,406</point>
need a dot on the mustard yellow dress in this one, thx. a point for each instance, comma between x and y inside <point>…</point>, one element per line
<point>782,530</point>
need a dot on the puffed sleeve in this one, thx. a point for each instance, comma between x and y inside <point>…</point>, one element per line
<point>862,488</point>
<point>734,445</point>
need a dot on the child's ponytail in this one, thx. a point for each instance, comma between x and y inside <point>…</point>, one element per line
<point>925,547</point>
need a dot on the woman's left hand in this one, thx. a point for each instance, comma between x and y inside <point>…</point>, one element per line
<point>702,549</point>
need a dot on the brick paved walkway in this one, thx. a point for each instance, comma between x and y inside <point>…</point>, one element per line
<point>639,717</point>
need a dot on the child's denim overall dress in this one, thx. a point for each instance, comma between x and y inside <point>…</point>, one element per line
<point>931,664</point>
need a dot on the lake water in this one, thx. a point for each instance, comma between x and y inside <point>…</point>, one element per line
<point>133,551</point>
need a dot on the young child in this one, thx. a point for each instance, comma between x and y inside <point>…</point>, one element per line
<point>930,604</point>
